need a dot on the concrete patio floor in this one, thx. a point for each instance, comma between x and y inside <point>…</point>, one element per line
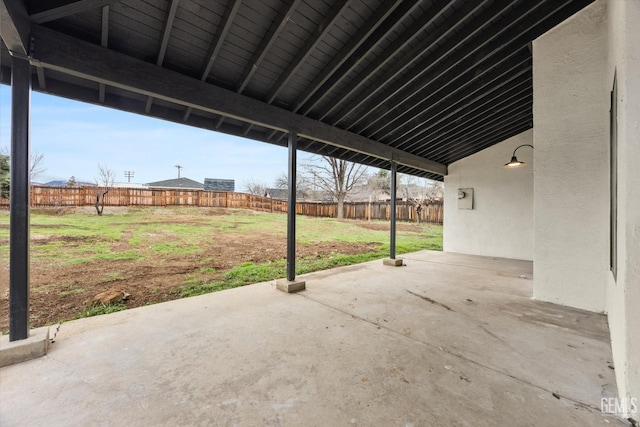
<point>447,340</point>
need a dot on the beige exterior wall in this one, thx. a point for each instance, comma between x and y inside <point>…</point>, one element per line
<point>501,221</point>
<point>571,176</point>
<point>623,296</point>
<point>574,65</point>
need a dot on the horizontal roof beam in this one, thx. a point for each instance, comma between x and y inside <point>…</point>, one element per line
<point>68,10</point>
<point>81,59</point>
<point>14,27</point>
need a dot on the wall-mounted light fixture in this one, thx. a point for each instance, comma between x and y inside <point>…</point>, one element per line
<point>515,163</point>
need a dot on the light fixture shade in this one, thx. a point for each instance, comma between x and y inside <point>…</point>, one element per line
<point>514,163</point>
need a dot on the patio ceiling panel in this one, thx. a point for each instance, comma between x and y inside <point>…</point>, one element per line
<point>425,82</point>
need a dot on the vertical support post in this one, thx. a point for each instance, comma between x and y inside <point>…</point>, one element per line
<point>291,208</point>
<point>290,284</point>
<point>392,246</point>
<point>19,200</point>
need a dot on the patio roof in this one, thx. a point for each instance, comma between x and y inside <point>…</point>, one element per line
<point>423,83</point>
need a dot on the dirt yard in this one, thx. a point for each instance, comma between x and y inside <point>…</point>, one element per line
<point>149,257</point>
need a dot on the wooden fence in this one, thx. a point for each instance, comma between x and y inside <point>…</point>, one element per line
<point>42,196</point>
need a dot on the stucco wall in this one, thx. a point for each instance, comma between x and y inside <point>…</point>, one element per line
<point>574,65</point>
<point>571,176</point>
<point>623,298</point>
<point>501,222</point>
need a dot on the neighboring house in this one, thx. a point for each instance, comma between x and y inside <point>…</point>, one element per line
<point>61,183</point>
<point>283,194</point>
<point>214,184</point>
<point>130,185</point>
<point>177,184</point>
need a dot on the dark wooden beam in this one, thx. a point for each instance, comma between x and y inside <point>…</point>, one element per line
<point>520,99</point>
<point>474,146</point>
<point>15,27</point>
<point>516,30</point>
<point>378,17</point>
<point>460,146</point>
<point>104,42</point>
<point>164,43</point>
<point>42,83</point>
<point>514,33</point>
<point>276,28</point>
<point>223,30</point>
<point>71,56</point>
<point>166,33</point>
<point>385,19</point>
<point>68,10</point>
<point>426,44</point>
<point>504,90</point>
<point>469,85</point>
<point>451,49</point>
<point>306,50</point>
<point>501,118</point>
<point>267,41</point>
<point>216,45</point>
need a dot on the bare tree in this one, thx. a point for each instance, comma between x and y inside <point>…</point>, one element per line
<point>35,168</point>
<point>419,191</point>
<point>282,181</point>
<point>35,165</point>
<point>380,182</point>
<point>106,177</point>
<point>255,187</point>
<point>336,177</point>
<point>303,185</point>
<point>434,189</point>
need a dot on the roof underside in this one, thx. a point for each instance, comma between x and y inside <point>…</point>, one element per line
<point>423,82</point>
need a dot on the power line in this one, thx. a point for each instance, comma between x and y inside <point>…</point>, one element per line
<point>129,175</point>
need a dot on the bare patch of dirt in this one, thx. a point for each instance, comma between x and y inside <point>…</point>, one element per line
<point>385,227</point>
<point>58,289</point>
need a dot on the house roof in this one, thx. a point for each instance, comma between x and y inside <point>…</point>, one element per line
<point>283,193</point>
<point>184,183</point>
<point>421,82</point>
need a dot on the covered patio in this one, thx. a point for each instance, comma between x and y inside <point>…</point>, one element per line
<point>446,340</point>
<point>446,90</point>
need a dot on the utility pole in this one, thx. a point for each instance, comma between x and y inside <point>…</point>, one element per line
<point>128,175</point>
<point>179,169</point>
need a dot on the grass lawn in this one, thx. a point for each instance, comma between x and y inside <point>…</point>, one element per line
<point>159,254</point>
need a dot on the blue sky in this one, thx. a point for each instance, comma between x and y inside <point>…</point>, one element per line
<point>74,137</point>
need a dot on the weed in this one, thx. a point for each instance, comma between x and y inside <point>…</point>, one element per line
<point>114,276</point>
<point>175,248</point>
<point>74,291</point>
<point>192,281</point>
<point>97,310</point>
